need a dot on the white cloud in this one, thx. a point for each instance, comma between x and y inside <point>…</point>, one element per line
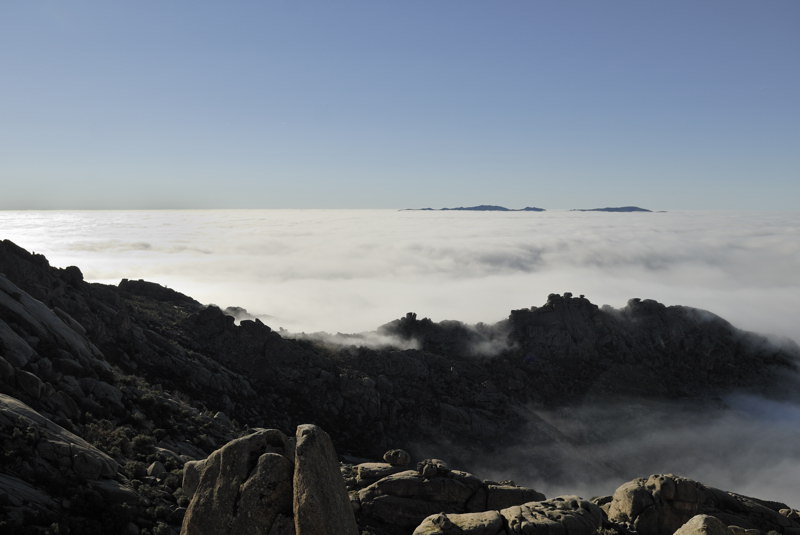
<point>352,270</point>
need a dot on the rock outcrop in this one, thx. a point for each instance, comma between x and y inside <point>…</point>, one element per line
<point>703,525</point>
<point>265,483</point>
<point>320,502</point>
<point>52,448</point>
<point>661,504</point>
<point>116,397</point>
<point>565,515</point>
<point>399,501</point>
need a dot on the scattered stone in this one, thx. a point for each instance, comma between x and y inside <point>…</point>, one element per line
<point>368,473</point>
<point>432,467</point>
<point>156,469</point>
<point>397,457</point>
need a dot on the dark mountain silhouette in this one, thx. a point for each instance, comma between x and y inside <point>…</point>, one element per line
<point>613,209</point>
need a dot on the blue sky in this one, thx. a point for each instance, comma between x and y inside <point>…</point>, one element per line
<point>377,104</point>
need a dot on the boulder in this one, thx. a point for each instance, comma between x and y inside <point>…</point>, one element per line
<point>397,457</point>
<point>485,523</point>
<point>565,515</point>
<point>191,476</point>
<point>368,473</point>
<point>738,530</point>
<point>320,503</point>
<point>658,505</point>
<point>502,496</point>
<point>405,499</point>
<point>703,525</point>
<point>661,504</point>
<point>243,487</point>
<point>156,469</point>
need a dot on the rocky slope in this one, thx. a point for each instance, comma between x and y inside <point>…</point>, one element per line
<point>109,391</point>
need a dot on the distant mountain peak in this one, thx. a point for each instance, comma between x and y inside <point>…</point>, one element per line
<point>612,209</point>
<point>480,208</point>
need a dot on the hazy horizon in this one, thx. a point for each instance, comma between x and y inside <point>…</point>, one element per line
<point>353,270</point>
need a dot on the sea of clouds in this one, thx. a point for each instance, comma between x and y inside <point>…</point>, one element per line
<point>352,270</point>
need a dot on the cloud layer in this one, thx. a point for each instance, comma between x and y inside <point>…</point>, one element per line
<point>351,271</point>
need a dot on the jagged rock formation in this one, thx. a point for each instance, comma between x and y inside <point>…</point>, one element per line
<point>140,384</point>
<point>265,483</point>
<point>244,487</point>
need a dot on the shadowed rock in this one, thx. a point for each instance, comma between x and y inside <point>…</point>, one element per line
<point>565,515</point>
<point>398,503</point>
<point>320,503</point>
<point>486,523</point>
<point>703,525</point>
<point>57,450</point>
<point>661,504</point>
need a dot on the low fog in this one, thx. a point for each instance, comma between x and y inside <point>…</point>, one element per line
<point>353,270</point>
<point>343,271</point>
<point>746,445</point>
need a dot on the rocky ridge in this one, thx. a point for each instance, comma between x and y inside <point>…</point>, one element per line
<point>112,396</point>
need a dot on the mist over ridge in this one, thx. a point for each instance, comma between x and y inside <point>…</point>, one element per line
<point>353,270</point>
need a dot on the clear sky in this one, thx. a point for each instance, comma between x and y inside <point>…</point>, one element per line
<point>679,104</point>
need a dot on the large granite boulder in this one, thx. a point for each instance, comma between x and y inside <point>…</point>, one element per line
<point>660,504</point>
<point>703,525</point>
<point>398,502</point>
<point>565,515</point>
<point>243,487</point>
<point>320,501</point>
<point>485,523</point>
<point>267,484</point>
